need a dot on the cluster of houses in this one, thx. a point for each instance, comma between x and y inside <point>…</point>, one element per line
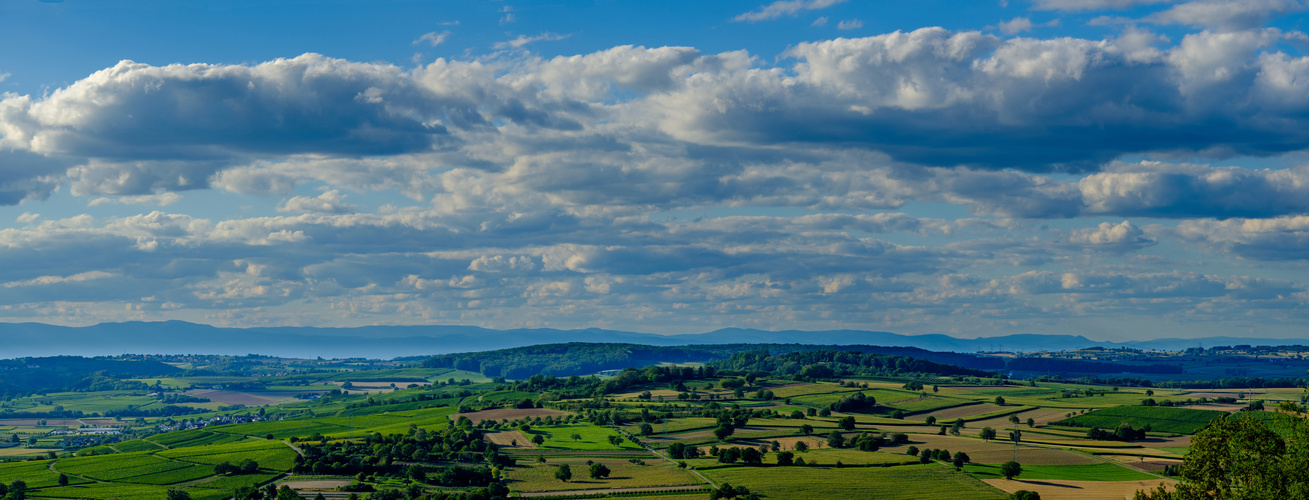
<point>220,420</point>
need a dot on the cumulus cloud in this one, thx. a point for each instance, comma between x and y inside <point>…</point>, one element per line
<point>929,97</point>
<point>705,189</point>
<point>330,202</point>
<point>1272,239</point>
<point>784,8</point>
<point>1123,236</point>
<point>849,24</point>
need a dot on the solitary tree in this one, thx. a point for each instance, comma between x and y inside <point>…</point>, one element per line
<point>999,400</point>
<point>931,420</point>
<point>723,431</point>
<point>961,458</point>
<point>987,434</point>
<point>174,494</point>
<point>806,429</point>
<point>1025,495</point>
<point>847,423</point>
<point>801,446</point>
<point>1011,469</point>
<point>785,458</point>
<point>538,439</point>
<point>599,471</point>
<point>564,473</point>
<point>835,440</point>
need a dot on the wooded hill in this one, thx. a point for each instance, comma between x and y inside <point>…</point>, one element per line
<point>578,358</point>
<point>75,373</point>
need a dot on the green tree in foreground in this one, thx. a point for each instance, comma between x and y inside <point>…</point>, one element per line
<point>1025,495</point>
<point>564,473</point>
<point>1238,457</point>
<point>177,494</point>
<point>1011,469</point>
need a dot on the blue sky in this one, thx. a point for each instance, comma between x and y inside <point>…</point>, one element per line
<point>1119,169</point>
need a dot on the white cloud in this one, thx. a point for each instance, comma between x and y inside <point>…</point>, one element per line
<point>1227,15</point>
<point>784,8</point>
<point>1122,236</point>
<point>1022,24</point>
<point>1273,239</point>
<point>433,38</point>
<point>57,280</point>
<point>523,40</point>
<point>1084,5</point>
<point>162,199</point>
<point>849,24</point>
<point>330,202</point>
<point>821,21</point>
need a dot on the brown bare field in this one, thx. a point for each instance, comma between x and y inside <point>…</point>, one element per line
<point>104,422</point>
<point>22,452</point>
<point>949,414</point>
<point>1145,463</point>
<point>316,484</point>
<point>1042,416</point>
<point>1050,489</point>
<point>515,439</point>
<point>31,422</point>
<point>1165,442</point>
<point>509,413</point>
<point>242,398</point>
<point>995,452</point>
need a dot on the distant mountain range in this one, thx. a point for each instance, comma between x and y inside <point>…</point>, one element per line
<point>179,337</point>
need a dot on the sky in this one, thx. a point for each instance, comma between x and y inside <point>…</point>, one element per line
<point>1119,169</point>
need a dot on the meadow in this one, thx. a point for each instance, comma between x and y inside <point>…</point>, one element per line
<point>909,482</point>
<point>1159,418</point>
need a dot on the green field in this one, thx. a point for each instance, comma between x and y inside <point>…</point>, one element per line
<point>1160,418</point>
<point>37,474</point>
<point>136,445</point>
<point>909,482</point>
<point>559,437</point>
<point>147,475</point>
